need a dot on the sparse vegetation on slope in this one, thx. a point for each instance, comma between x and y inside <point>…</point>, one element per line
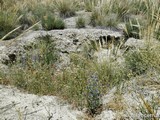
<point>85,80</point>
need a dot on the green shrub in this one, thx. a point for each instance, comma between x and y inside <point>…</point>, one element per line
<point>44,52</point>
<point>149,9</point>
<point>80,22</point>
<point>90,4</point>
<point>136,63</point>
<point>112,21</point>
<point>139,7</point>
<point>48,50</point>
<point>139,61</point>
<point>96,18</point>
<point>59,24</point>
<point>66,8</point>
<point>83,91</point>
<point>121,8</point>
<point>50,22</point>
<point>34,71</point>
<point>8,21</point>
<point>109,72</point>
<point>103,18</point>
<point>31,14</point>
<point>133,28</point>
<point>28,18</point>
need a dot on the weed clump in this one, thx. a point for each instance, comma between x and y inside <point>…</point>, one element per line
<point>8,21</point>
<point>139,61</point>
<point>66,8</point>
<point>35,70</point>
<point>136,63</point>
<point>50,22</point>
<point>90,4</point>
<point>133,28</point>
<point>80,22</point>
<point>103,18</point>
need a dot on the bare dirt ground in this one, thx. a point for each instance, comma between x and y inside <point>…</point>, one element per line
<point>16,105</point>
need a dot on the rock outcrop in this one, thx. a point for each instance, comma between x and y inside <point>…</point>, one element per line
<point>67,41</point>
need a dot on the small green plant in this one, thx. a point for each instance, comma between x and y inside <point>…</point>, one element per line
<point>96,18</point>
<point>44,52</point>
<point>8,21</point>
<point>31,15</point>
<point>139,61</point>
<point>48,52</point>
<point>50,22</point>
<point>59,23</point>
<point>80,22</point>
<point>32,12</point>
<point>139,7</point>
<point>149,110</point>
<point>133,28</point>
<point>90,4</point>
<point>121,8</point>
<point>66,8</point>
<point>112,21</point>
<point>93,94</point>
<point>103,18</point>
<point>136,62</point>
